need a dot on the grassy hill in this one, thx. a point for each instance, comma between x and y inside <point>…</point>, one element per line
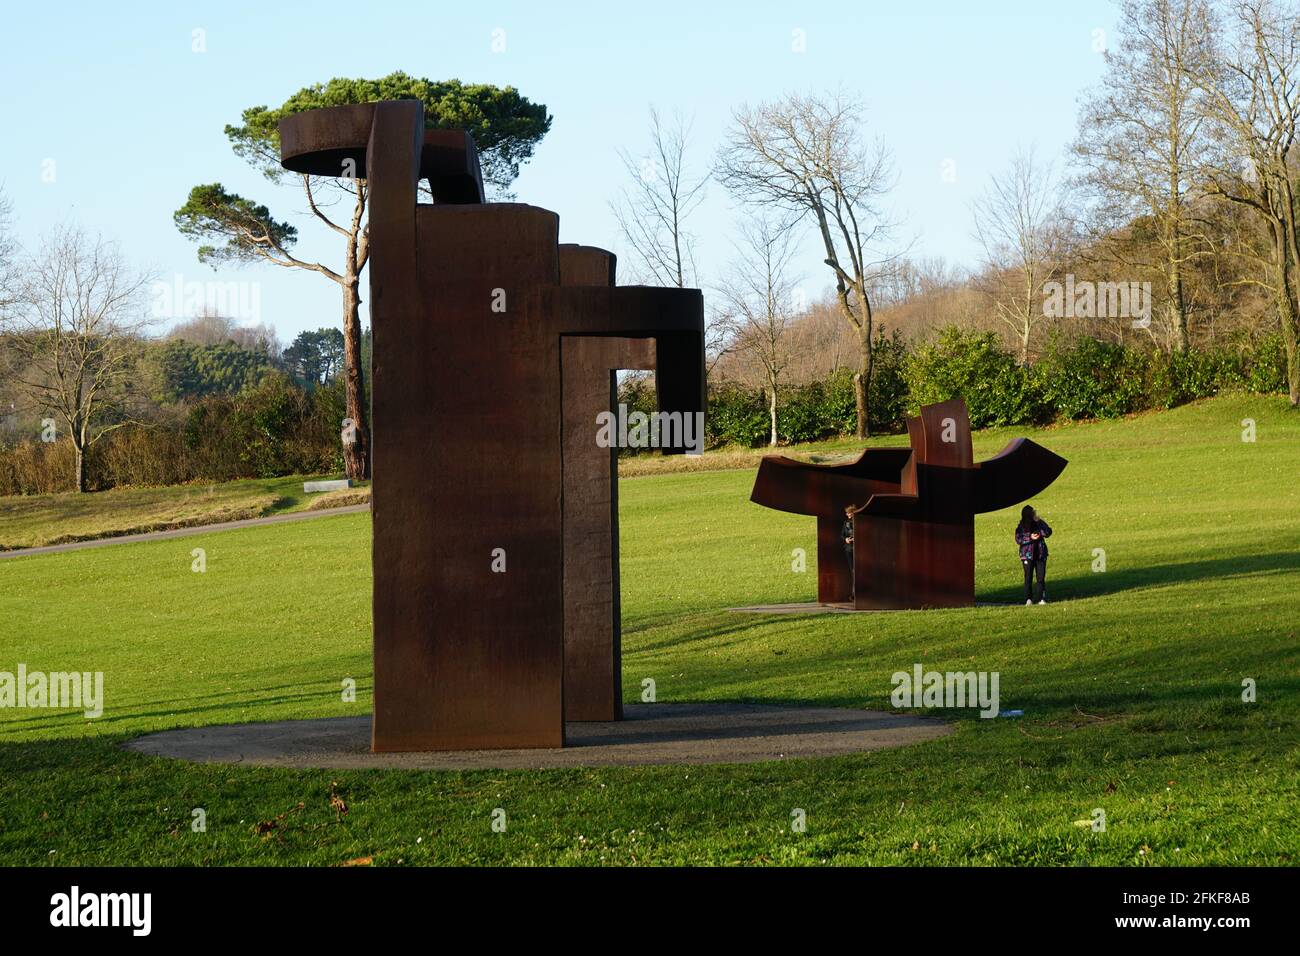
<point>1130,681</point>
<point>33,521</point>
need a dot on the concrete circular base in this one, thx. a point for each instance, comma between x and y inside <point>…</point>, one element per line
<point>649,734</point>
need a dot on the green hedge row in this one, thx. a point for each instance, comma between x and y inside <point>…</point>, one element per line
<point>274,427</point>
<point>1074,379</point>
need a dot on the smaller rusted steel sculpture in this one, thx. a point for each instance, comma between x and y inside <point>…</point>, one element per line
<point>914,523</point>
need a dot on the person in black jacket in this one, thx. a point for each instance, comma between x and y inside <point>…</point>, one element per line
<point>1031,535</point>
<point>846,533</point>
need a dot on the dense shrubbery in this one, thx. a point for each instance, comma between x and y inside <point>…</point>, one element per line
<point>274,426</point>
<point>187,370</point>
<point>271,428</point>
<point>1081,378</point>
<point>973,365</point>
<point>739,416</point>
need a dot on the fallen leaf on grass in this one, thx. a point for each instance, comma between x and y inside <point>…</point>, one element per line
<point>266,826</point>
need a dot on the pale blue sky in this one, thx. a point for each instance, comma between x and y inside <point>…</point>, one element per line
<point>132,118</point>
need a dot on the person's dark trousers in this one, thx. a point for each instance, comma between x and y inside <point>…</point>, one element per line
<point>1035,567</point>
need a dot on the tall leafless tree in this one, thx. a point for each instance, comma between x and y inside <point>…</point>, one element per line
<point>1019,224</point>
<point>1252,102</point>
<point>653,210</point>
<point>77,335</point>
<point>9,252</point>
<point>759,304</point>
<point>1141,136</point>
<point>209,327</point>
<point>807,155</point>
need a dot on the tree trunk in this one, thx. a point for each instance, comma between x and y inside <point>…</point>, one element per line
<point>1176,307</point>
<point>1289,257</point>
<point>80,467</point>
<point>356,454</point>
<point>1287,312</point>
<point>1176,311</point>
<point>862,380</point>
<point>772,409</point>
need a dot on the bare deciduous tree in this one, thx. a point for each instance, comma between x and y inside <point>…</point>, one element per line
<point>211,328</point>
<point>8,257</point>
<point>76,336</point>
<point>1019,223</point>
<point>759,305</point>
<point>1252,101</point>
<point>807,155</point>
<point>1141,137</point>
<point>653,210</point>
<point>8,299</point>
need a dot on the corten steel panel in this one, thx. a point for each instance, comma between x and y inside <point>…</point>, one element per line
<point>674,318</point>
<point>592,651</point>
<point>610,328</point>
<point>586,265</point>
<point>334,141</point>
<point>592,607</point>
<point>945,435</point>
<point>834,583</point>
<point>482,406</point>
<point>468,428</point>
<point>914,532</point>
<point>825,491</point>
<point>933,562</point>
<point>1018,471</point>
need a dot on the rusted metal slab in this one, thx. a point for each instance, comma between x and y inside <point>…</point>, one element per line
<point>476,308</point>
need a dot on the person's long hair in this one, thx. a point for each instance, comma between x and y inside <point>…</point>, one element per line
<point>1027,519</point>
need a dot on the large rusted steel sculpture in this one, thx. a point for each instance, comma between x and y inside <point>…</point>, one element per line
<point>494,507</point>
<point>914,524</point>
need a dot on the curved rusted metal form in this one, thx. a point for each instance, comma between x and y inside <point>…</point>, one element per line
<point>913,528</point>
<point>494,507</point>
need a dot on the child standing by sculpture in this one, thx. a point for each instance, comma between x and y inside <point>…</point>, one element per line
<point>846,533</point>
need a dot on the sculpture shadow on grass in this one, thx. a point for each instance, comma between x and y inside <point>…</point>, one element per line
<point>1118,579</point>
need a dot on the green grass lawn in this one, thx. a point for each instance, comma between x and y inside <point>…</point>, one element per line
<point>1131,684</point>
<point>31,521</point>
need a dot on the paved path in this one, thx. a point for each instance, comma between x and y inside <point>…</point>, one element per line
<point>649,734</point>
<point>184,532</point>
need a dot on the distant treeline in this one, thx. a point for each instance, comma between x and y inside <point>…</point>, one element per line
<point>239,417</point>
<point>270,428</point>
<point>1075,378</point>
<point>212,410</point>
